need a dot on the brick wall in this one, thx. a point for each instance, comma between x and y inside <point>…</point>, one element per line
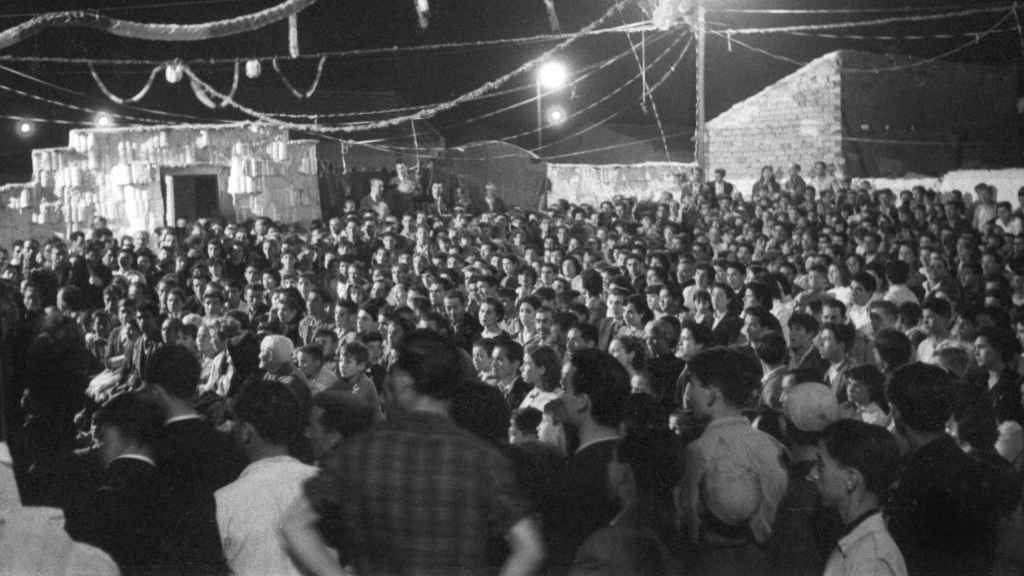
<point>797,119</point>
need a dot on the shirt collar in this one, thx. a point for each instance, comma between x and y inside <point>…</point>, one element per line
<point>862,526</point>
<point>139,457</point>
<point>728,421</point>
<point>594,442</point>
<point>182,418</point>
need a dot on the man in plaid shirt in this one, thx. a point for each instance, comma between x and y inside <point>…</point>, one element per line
<point>415,495</point>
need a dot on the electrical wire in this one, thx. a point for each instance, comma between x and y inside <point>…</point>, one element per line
<point>830,11</point>
<point>862,23</point>
<point>67,106</point>
<point>612,147</point>
<point>646,93</point>
<point>66,90</point>
<point>976,39</point>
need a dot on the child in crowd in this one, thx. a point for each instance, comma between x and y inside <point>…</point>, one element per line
<point>310,360</point>
<point>353,365</point>
<point>864,389</point>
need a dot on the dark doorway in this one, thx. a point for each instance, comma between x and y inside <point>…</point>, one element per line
<point>194,196</point>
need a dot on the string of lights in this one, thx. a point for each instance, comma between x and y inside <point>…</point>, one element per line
<point>653,88</point>
<point>420,115</point>
<point>616,91</point>
<point>572,83</point>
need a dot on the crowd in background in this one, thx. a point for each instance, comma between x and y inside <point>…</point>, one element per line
<point>813,377</point>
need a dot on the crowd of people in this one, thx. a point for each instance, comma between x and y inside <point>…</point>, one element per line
<point>815,378</point>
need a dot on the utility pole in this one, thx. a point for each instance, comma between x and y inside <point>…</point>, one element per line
<point>700,136</point>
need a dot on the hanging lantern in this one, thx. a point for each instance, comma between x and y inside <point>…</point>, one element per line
<point>203,140</point>
<point>253,69</point>
<point>173,72</point>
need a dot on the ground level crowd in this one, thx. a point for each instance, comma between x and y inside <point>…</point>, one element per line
<point>813,378</point>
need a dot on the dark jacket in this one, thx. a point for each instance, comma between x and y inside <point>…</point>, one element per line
<point>943,512</point>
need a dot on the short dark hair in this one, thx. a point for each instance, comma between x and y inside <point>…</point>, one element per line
<point>975,418</point>
<point>735,373</point>
<point>701,333</point>
<point>804,320</point>
<point>910,313</point>
<point>271,408</point>
<point>511,348</point>
<point>923,394</point>
<point>939,306</point>
<point>314,351</point>
<point>869,449</point>
<point>432,361</point>
<point>357,351</point>
<point>587,332</point>
<point>897,271</point>
<point>866,280</point>
<point>771,348</point>
<point>893,347</point>
<point>137,417</point>
<point>174,369</point>
<point>844,334</point>
<point>600,376</point>
<point>527,420</point>
<point>343,413</point>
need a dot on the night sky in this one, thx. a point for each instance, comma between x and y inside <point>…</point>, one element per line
<point>436,76</point>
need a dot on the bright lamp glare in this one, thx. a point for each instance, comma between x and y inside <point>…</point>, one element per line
<point>25,128</point>
<point>556,115</point>
<point>553,75</point>
<point>103,119</point>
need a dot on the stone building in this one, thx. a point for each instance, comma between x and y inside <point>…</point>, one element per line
<point>144,177</point>
<point>872,115</point>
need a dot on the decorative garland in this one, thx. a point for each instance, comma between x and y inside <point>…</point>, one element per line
<point>153,31</point>
<point>205,98</point>
<point>422,114</point>
<point>117,99</point>
<point>292,89</point>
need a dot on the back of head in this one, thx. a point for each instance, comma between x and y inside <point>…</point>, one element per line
<point>343,412</point>
<point>432,361</point>
<point>601,377</point>
<point>894,347</point>
<point>922,395</point>
<point>136,416</point>
<point>174,369</point>
<point>869,449</point>
<point>271,409</point>
<point>735,373</point>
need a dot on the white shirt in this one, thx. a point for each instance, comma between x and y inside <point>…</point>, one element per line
<point>899,293</point>
<point>538,398</point>
<point>867,551</point>
<point>249,511</point>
